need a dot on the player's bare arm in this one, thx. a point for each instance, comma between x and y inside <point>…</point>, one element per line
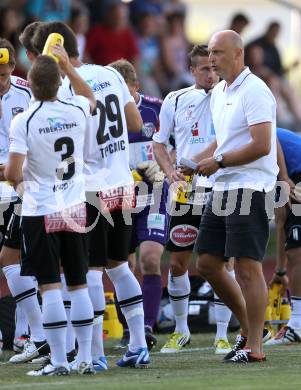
<point>163,159</point>
<point>79,86</point>
<point>13,169</point>
<point>133,117</point>
<point>283,174</point>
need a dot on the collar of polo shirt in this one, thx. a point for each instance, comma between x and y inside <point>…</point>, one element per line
<point>239,79</point>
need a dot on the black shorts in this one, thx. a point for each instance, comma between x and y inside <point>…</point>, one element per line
<point>293,231</point>
<point>12,237</point>
<point>234,224</point>
<point>183,230</point>
<point>43,253</point>
<point>104,240</point>
<point>6,212</point>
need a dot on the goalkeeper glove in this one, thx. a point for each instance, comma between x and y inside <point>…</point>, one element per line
<point>151,171</point>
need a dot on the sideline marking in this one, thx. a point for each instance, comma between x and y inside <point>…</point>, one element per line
<point>185,350</point>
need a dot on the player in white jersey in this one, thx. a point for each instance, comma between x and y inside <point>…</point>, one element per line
<point>186,113</point>
<point>25,292</point>
<point>150,219</point>
<point>46,154</point>
<point>110,186</point>
<point>15,98</point>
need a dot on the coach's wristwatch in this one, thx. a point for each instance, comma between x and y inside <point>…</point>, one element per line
<point>219,159</point>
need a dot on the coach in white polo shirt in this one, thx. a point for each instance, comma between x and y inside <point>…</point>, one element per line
<point>244,160</point>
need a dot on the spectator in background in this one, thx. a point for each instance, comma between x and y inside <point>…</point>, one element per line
<point>272,58</point>
<point>238,23</point>
<point>10,25</point>
<point>151,74</point>
<point>113,38</point>
<point>48,10</point>
<point>172,6</point>
<point>79,22</point>
<point>288,102</point>
<point>175,47</point>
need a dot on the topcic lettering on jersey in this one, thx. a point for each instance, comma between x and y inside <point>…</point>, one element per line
<point>57,124</point>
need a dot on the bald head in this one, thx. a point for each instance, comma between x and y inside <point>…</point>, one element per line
<point>228,37</point>
<point>226,53</point>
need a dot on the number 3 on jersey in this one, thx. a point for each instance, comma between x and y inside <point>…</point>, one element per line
<point>68,144</point>
<point>111,111</point>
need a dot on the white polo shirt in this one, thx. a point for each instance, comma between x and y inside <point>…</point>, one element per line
<point>246,102</point>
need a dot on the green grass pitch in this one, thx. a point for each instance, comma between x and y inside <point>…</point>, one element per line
<point>195,368</point>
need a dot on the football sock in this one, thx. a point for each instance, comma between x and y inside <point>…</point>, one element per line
<point>152,293</point>
<point>129,296</point>
<point>55,326</point>
<point>82,322</point>
<point>70,337</point>
<point>120,316</point>
<point>23,289</point>
<point>179,291</point>
<point>222,315</point>
<point>295,320</point>
<point>97,296</point>
<point>21,324</point>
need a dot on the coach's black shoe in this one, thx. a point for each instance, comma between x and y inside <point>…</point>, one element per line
<point>245,356</point>
<point>241,342</point>
<point>150,338</point>
<point>124,341</point>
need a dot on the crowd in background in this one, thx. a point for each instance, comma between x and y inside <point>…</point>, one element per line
<point>151,35</point>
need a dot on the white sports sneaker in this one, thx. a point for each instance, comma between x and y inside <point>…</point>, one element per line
<point>82,368</point>
<point>49,370</point>
<point>45,359</point>
<point>31,351</point>
<point>86,368</point>
<point>285,336</point>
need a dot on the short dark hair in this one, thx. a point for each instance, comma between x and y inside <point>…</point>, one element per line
<point>273,24</point>
<point>5,44</point>
<point>197,50</point>
<point>126,69</point>
<point>44,78</point>
<point>26,36</point>
<point>44,29</point>
<point>240,18</point>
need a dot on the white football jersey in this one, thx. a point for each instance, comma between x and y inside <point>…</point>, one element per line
<point>15,101</point>
<point>51,135</point>
<point>106,143</point>
<point>186,115</point>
